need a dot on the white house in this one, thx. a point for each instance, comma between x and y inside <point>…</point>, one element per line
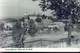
<point>9,25</point>
<point>61,25</point>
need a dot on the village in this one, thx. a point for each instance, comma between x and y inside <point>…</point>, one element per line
<point>44,29</point>
<point>40,24</point>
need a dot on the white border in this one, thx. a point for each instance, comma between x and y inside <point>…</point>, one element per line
<point>39,49</point>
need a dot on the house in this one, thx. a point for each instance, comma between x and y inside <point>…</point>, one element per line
<point>47,22</point>
<point>32,16</point>
<point>61,25</point>
<point>9,25</point>
<point>76,27</point>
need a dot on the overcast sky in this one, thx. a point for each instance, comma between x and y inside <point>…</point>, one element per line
<point>15,8</point>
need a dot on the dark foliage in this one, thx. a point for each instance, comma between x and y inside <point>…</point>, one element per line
<point>43,17</point>
<point>18,25</point>
<point>38,20</point>
<point>18,35</point>
<point>28,18</point>
<point>32,29</point>
<point>67,9</point>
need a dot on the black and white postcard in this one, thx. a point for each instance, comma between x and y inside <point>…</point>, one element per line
<point>45,24</point>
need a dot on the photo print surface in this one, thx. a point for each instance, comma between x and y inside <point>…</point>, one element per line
<point>40,24</point>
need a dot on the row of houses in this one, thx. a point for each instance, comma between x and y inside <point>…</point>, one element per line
<point>47,23</point>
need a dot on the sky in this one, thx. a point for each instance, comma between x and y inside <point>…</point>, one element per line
<point>17,8</point>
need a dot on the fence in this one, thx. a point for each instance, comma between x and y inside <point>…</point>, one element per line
<point>44,43</point>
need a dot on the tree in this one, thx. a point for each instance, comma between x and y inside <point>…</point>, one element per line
<point>43,16</point>
<point>65,9</point>
<point>32,29</point>
<point>1,26</point>
<point>18,35</point>
<point>38,19</point>
<point>51,18</point>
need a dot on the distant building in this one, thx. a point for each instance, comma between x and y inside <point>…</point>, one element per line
<point>47,22</point>
<point>61,25</point>
<point>76,27</point>
<point>8,26</point>
<point>33,16</point>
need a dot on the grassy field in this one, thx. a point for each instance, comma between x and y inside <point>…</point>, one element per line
<point>54,36</point>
